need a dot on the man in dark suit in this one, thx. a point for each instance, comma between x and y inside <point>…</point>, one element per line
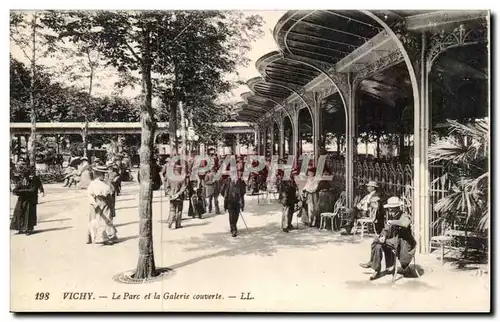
<point>233,191</point>
<point>395,238</point>
<point>288,198</point>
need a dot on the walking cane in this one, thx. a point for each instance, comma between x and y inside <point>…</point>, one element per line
<point>241,215</point>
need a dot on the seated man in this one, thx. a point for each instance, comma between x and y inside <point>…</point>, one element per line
<point>396,238</point>
<point>364,203</point>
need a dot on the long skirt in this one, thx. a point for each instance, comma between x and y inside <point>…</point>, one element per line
<point>24,217</point>
<point>101,227</point>
<point>85,179</point>
<point>313,209</point>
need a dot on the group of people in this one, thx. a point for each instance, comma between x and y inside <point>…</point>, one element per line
<point>392,225</point>
<point>26,188</point>
<point>393,230</point>
<point>206,187</point>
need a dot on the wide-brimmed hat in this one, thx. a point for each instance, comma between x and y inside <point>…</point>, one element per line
<point>372,184</point>
<point>84,159</point>
<point>101,168</point>
<point>393,202</point>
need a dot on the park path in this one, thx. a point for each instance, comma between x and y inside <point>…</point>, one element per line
<point>305,270</point>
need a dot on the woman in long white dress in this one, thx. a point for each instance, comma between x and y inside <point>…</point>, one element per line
<point>311,189</point>
<point>101,229</point>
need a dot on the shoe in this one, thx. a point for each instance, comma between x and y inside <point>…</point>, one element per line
<point>375,275</point>
<point>366,265</point>
<point>29,232</point>
<point>285,230</point>
<point>290,228</point>
<point>234,234</point>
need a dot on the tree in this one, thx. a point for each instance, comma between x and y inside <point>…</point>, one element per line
<point>28,34</point>
<point>193,68</point>
<point>464,156</point>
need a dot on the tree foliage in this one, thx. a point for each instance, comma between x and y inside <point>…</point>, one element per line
<point>464,155</point>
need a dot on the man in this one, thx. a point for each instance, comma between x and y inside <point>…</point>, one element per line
<point>234,191</point>
<point>175,189</point>
<point>101,229</point>
<point>288,198</point>
<point>363,204</point>
<point>395,238</point>
<point>212,191</point>
<point>24,218</point>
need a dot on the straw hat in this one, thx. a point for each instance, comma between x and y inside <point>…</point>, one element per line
<point>372,184</point>
<point>393,202</point>
<point>101,168</point>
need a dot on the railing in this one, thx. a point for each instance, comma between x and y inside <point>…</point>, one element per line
<point>393,178</point>
<point>439,188</point>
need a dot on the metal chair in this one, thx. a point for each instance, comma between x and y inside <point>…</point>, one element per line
<point>366,222</point>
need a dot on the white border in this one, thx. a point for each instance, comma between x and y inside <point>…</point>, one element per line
<point>187,4</point>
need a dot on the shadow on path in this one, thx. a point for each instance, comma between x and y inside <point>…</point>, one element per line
<point>127,223</point>
<point>38,231</point>
<point>263,241</point>
<point>55,220</point>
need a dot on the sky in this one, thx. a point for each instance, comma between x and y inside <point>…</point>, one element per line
<point>260,47</point>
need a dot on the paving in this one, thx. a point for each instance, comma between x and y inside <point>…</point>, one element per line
<point>263,269</point>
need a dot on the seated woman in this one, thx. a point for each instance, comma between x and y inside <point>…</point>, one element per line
<point>395,238</point>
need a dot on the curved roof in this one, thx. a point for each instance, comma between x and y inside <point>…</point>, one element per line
<point>275,68</point>
<point>324,35</point>
<point>345,41</point>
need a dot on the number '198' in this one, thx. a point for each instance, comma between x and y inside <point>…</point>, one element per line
<point>42,296</point>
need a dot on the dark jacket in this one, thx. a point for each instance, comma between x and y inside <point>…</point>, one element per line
<point>234,192</point>
<point>398,236</point>
<point>288,192</point>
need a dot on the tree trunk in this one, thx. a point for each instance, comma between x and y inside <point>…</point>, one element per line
<point>18,147</point>
<point>85,132</point>
<point>401,145</point>
<point>378,146</point>
<point>31,143</point>
<point>172,127</point>
<point>146,264</point>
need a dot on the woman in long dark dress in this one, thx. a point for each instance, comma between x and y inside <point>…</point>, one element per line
<point>24,218</point>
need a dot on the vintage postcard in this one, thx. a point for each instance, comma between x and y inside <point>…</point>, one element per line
<point>250,161</point>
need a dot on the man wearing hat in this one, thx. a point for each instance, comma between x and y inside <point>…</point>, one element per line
<point>395,238</point>
<point>24,218</point>
<point>233,190</point>
<point>101,229</point>
<point>363,204</point>
<point>288,198</point>
<point>175,190</point>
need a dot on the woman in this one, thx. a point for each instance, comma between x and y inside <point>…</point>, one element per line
<point>24,218</point>
<point>311,191</point>
<point>101,229</point>
<point>85,174</point>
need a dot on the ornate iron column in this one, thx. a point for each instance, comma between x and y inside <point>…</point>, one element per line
<point>271,133</point>
<point>295,134</point>
<point>318,128</point>
<point>282,137</point>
